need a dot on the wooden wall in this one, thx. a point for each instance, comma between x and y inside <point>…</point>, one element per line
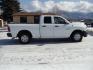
<point>30,19</point>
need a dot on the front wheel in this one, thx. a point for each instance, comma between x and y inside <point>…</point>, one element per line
<point>24,38</point>
<point>77,37</point>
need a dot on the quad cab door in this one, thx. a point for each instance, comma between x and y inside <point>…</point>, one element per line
<point>46,27</point>
<point>60,27</point>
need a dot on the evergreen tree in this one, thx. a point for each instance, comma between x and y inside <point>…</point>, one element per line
<point>1,6</point>
<point>9,8</point>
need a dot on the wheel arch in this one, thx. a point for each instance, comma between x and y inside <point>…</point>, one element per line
<point>80,31</point>
<point>24,32</point>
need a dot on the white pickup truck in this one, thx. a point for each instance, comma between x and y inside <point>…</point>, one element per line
<point>49,26</point>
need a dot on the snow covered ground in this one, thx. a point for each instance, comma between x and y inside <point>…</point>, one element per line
<point>46,54</point>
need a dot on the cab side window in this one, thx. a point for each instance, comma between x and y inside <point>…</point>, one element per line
<point>59,20</point>
<point>47,20</point>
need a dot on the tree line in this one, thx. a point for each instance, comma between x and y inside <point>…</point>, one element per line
<point>9,7</point>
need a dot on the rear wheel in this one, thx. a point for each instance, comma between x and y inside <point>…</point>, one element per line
<point>77,37</point>
<point>25,38</point>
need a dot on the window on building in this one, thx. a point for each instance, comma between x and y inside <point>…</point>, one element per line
<point>36,19</point>
<point>23,19</point>
<point>47,20</point>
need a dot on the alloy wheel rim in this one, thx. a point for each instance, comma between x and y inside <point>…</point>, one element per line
<point>24,38</point>
<point>77,36</point>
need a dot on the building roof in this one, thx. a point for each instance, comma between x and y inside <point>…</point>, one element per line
<point>31,14</point>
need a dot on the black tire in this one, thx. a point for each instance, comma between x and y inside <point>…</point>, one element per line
<point>25,38</point>
<point>78,38</point>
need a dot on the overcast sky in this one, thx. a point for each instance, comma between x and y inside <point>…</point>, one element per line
<point>85,6</point>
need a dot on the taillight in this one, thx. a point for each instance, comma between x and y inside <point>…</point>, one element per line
<point>8,28</point>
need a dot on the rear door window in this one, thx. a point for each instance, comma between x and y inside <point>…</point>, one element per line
<point>47,20</point>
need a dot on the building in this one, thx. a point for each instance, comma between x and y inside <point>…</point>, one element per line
<point>1,22</point>
<point>1,10</point>
<point>28,17</point>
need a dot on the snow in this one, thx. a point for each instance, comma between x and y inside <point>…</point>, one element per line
<point>46,55</point>
<point>48,67</point>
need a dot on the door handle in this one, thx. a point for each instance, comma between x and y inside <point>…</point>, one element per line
<point>43,26</point>
<point>56,26</point>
